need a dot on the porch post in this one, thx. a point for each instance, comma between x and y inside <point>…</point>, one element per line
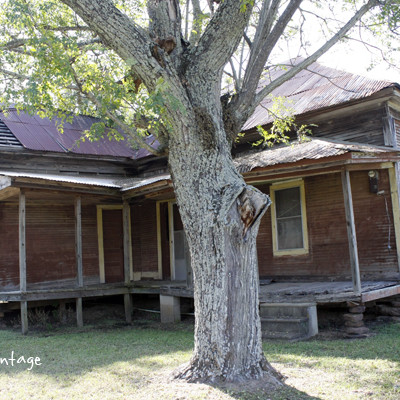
<point>351,232</point>
<point>78,240</point>
<point>127,259</point>
<point>394,192</point>
<point>78,255</point>
<point>22,260</point>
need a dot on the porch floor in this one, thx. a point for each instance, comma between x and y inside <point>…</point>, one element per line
<point>273,292</point>
<point>326,292</point>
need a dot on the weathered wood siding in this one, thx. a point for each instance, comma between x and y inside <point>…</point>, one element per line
<point>361,127</point>
<point>328,244</point>
<point>9,264</point>
<point>90,251</point>
<point>50,235</point>
<point>144,237</point>
<point>113,246</point>
<point>50,243</point>
<point>374,225</point>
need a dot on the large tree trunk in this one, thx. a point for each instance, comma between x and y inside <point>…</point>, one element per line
<point>221,217</point>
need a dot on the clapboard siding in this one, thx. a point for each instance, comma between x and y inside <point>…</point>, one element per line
<point>90,248</point>
<point>326,230</point>
<point>144,237</point>
<point>374,226</point>
<point>9,261</point>
<point>328,244</point>
<point>366,127</point>
<point>50,243</point>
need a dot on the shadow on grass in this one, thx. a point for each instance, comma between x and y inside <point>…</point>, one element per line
<point>284,393</point>
<point>73,352</point>
<point>383,344</point>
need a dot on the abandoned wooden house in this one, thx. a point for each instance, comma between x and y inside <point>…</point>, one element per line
<point>100,219</point>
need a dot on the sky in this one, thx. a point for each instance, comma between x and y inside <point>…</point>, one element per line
<point>356,59</point>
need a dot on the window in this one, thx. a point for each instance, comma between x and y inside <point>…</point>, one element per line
<point>289,224</point>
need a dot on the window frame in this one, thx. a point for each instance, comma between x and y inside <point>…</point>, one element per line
<point>288,185</point>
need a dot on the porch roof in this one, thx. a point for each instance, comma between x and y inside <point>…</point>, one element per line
<point>314,149</point>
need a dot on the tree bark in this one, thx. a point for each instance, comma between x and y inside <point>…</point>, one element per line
<point>221,217</point>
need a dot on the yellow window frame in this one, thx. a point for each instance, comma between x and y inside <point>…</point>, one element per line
<point>287,185</point>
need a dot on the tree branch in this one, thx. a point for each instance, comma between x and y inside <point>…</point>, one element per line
<point>221,37</point>
<point>265,40</point>
<point>122,35</point>
<point>80,28</point>
<point>242,113</point>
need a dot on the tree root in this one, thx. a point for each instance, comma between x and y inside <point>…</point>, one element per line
<point>264,375</point>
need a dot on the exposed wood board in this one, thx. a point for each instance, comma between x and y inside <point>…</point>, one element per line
<point>8,192</point>
<point>22,241</point>
<point>351,231</point>
<point>380,293</point>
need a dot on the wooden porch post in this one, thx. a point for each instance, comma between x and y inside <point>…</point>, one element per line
<point>78,255</point>
<point>394,192</point>
<point>351,232</point>
<point>22,260</point>
<point>127,259</point>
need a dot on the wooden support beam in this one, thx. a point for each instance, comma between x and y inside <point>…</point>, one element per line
<point>63,311</point>
<point>126,221</point>
<point>171,238</point>
<point>128,308</point>
<point>22,241</point>
<point>100,240</point>
<point>24,317</point>
<point>394,192</point>
<point>78,240</point>
<point>351,232</point>
<point>159,245</point>
<point>79,313</point>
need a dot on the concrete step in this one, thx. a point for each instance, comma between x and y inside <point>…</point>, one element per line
<point>290,321</point>
<point>285,328</point>
<point>295,310</point>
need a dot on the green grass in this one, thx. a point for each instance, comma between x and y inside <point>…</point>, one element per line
<point>134,363</point>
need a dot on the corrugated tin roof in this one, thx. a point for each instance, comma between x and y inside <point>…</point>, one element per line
<point>79,179</point>
<point>35,133</point>
<point>315,88</point>
<point>137,183</point>
<point>311,150</point>
<point>123,184</point>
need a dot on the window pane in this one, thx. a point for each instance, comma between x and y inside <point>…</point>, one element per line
<point>287,202</point>
<point>290,233</point>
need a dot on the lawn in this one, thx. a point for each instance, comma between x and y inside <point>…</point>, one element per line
<point>134,362</point>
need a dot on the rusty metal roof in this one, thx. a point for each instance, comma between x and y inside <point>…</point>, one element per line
<point>122,184</point>
<point>35,133</point>
<point>316,88</point>
<point>313,149</point>
<point>74,179</point>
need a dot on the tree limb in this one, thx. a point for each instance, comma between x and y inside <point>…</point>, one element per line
<point>121,34</point>
<point>221,37</point>
<point>265,40</point>
<point>242,114</point>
